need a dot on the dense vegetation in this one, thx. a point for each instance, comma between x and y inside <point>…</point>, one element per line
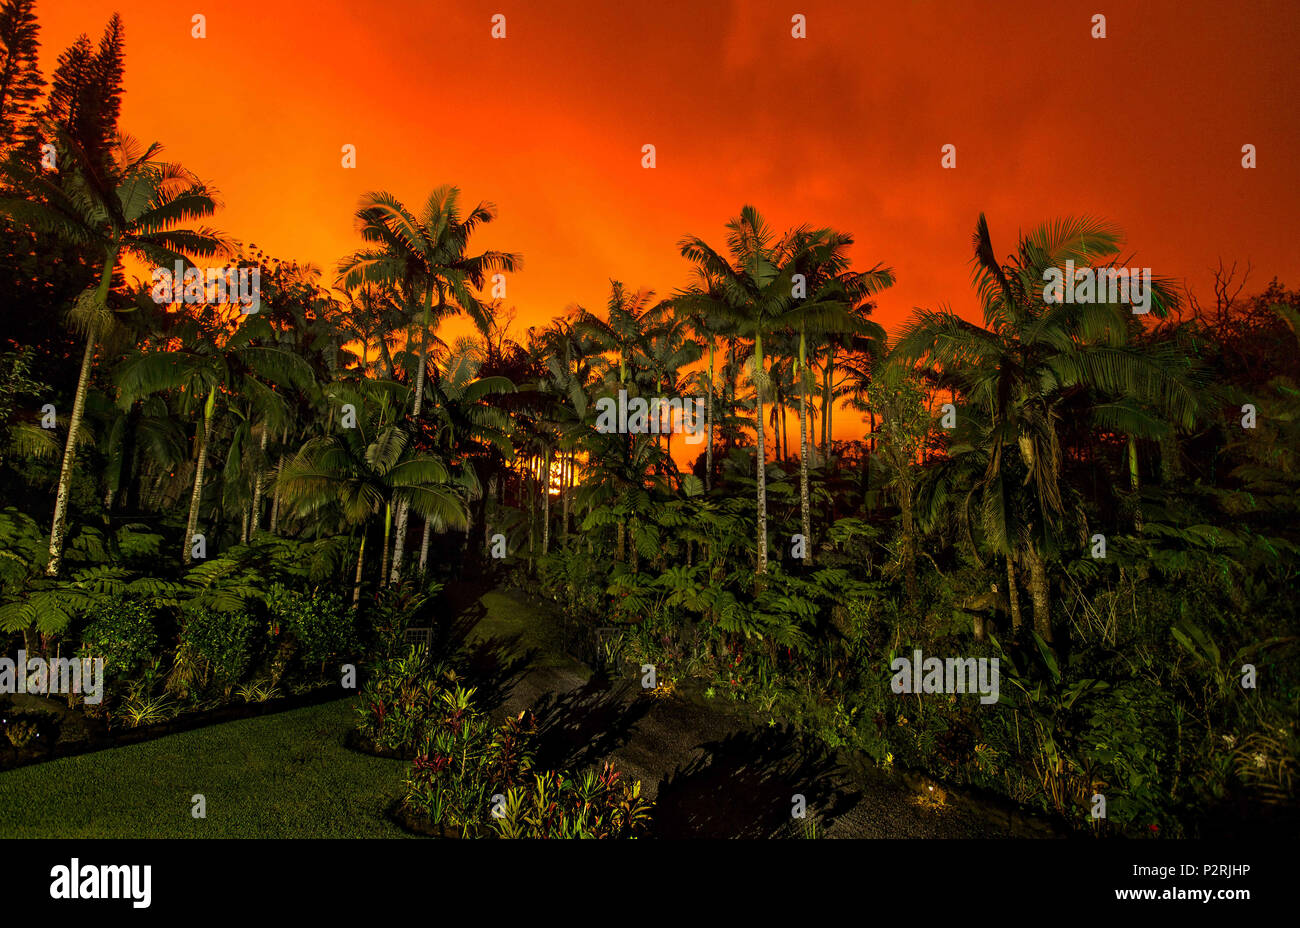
<point>223,503</point>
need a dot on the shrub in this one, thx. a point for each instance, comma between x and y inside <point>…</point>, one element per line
<point>21,728</point>
<point>215,647</point>
<point>391,614</point>
<point>121,631</point>
<point>592,804</point>
<point>144,710</point>
<point>320,623</point>
<point>401,693</point>
<point>464,761</point>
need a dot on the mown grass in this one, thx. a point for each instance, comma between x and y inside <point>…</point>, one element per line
<point>279,776</point>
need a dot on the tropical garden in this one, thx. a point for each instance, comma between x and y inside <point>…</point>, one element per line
<point>239,511</point>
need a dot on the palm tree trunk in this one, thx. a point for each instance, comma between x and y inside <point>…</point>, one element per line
<point>1135,481</point>
<point>59,526</point>
<point>1038,588</point>
<point>424,548</point>
<point>192,523</point>
<point>785,432</point>
<point>257,486</point>
<point>403,510</point>
<point>399,541</point>
<point>830,400</point>
<point>760,455</point>
<point>546,504</point>
<point>388,528</point>
<point>1013,598</point>
<point>826,409</point>
<point>566,485</point>
<point>805,501</point>
<point>361,559</point>
<point>708,451</point>
<point>532,513</point>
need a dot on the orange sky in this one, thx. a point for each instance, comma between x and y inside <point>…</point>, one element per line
<point>843,128</point>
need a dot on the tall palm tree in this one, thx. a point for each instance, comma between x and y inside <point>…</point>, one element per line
<point>137,207</point>
<point>836,306</point>
<point>667,351</point>
<point>1028,359</point>
<point>707,316</point>
<point>568,360</point>
<point>755,283</point>
<point>630,319</point>
<point>427,253</point>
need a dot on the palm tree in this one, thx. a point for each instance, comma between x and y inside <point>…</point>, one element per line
<point>567,356</point>
<point>1028,359</point>
<point>755,285</point>
<point>706,314</point>
<point>667,351</point>
<point>630,318</point>
<point>834,288</point>
<point>471,430</point>
<point>205,371</point>
<point>426,254</point>
<point>625,332</point>
<point>136,208</point>
<point>355,478</point>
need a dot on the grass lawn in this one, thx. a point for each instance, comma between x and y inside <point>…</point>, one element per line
<point>508,614</point>
<point>279,776</point>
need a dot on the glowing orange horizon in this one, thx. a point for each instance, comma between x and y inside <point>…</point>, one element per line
<point>843,129</point>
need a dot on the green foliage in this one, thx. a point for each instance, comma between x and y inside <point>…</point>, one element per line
<point>319,622</point>
<point>464,760</point>
<point>397,697</point>
<point>142,709</point>
<point>22,732</point>
<point>122,632</point>
<point>590,804</point>
<point>263,691</point>
<point>215,647</point>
